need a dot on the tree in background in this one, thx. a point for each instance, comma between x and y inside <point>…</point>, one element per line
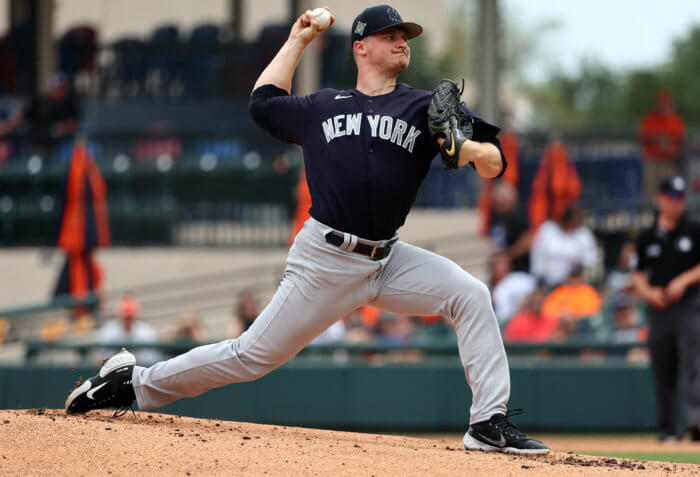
<point>459,54</point>
<point>424,72</point>
<point>682,77</point>
<point>597,97</point>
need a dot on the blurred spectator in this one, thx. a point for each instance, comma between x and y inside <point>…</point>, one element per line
<point>333,334</point>
<point>244,314</point>
<point>396,329</point>
<point>530,325</point>
<point>619,279</point>
<point>556,186</point>
<point>127,329</point>
<point>370,318</point>
<point>430,327</point>
<point>77,53</point>
<point>629,329</point>
<point>560,245</point>
<point>510,231</point>
<point>431,320</point>
<point>54,330</point>
<point>51,119</point>
<point>509,288</point>
<point>662,133</point>
<point>569,327</point>
<point>619,285</point>
<point>355,329</point>
<point>509,146</point>
<point>83,323</point>
<point>188,328</point>
<point>667,277</point>
<point>628,326</point>
<point>573,299</point>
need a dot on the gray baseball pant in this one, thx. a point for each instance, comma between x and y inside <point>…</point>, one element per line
<point>321,284</point>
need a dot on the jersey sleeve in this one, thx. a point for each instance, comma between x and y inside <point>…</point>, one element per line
<point>289,117</point>
<point>483,131</point>
<point>486,132</point>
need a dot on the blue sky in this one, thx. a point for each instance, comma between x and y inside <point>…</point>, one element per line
<point>623,34</point>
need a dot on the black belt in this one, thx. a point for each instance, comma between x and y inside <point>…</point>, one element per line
<point>374,253</point>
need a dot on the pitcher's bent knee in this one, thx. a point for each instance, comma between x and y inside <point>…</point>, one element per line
<point>467,294</point>
<point>480,293</point>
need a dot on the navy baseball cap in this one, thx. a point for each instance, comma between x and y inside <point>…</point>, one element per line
<point>381,17</point>
<point>673,186</point>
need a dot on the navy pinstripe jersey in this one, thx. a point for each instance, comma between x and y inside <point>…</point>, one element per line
<point>365,156</point>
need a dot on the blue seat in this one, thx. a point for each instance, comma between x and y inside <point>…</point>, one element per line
<point>205,34</point>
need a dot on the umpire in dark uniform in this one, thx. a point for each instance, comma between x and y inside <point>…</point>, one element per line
<point>667,277</point>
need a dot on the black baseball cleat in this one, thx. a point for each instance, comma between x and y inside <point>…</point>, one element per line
<point>499,435</point>
<point>110,388</point>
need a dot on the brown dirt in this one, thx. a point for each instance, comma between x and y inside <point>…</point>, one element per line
<point>47,442</point>
<point>620,443</point>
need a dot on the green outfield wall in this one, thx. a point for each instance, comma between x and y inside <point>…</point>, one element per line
<point>429,396</point>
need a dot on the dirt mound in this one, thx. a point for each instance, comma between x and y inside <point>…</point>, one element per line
<point>48,442</point>
<point>609,443</point>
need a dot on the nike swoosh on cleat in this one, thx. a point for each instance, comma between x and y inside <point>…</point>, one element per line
<point>91,392</point>
<point>499,443</point>
<point>337,96</point>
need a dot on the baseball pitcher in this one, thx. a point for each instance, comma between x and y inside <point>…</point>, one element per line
<point>366,153</point>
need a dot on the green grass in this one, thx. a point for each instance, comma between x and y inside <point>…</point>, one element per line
<point>680,457</point>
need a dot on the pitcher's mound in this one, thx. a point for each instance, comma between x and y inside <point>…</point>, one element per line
<point>48,442</point>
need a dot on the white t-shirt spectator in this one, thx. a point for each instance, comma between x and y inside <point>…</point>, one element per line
<point>510,293</point>
<point>113,332</point>
<point>555,252</point>
<point>333,334</point>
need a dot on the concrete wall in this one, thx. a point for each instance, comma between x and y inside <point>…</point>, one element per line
<point>27,275</point>
<point>428,396</point>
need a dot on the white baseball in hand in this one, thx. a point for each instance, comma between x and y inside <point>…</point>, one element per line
<point>323,17</point>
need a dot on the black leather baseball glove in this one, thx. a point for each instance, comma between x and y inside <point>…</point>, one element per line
<point>446,119</point>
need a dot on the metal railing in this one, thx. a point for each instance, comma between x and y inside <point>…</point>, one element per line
<point>578,350</point>
<point>442,347</point>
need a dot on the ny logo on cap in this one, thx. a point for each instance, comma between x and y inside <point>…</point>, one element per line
<point>393,15</point>
<point>360,28</point>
